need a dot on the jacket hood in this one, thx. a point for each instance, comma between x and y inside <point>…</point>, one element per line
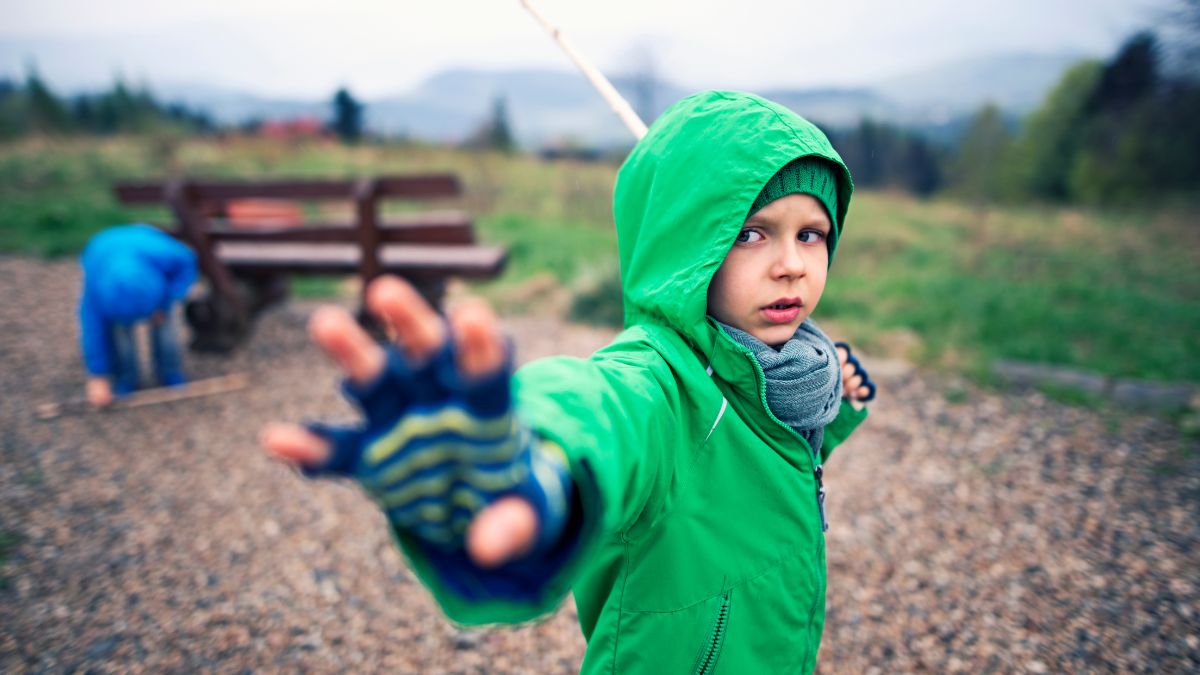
<point>130,289</point>
<point>685,190</point>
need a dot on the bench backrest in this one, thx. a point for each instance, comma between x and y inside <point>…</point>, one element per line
<point>198,205</point>
<point>431,186</point>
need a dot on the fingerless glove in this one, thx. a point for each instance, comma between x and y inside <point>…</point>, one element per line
<point>860,371</point>
<point>436,447</point>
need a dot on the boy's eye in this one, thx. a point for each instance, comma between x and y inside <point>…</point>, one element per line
<point>811,236</point>
<point>748,236</point>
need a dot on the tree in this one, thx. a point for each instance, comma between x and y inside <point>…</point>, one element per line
<point>496,132</point>
<point>347,116</point>
<point>861,149</point>
<point>920,172</point>
<point>977,166</point>
<point>500,135</point>
<point>1051,137</point>
<point>13,117</point>
<point>47,114</point>
<point>1131,76</point>
<point>884,156</point>
<point>1142,153</point>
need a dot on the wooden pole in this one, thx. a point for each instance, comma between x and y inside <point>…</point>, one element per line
<point>614,99</point>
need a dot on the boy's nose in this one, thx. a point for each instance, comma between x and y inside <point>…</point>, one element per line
<point>789,263</point>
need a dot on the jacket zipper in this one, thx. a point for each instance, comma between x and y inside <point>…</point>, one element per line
<point>818,471</point>
<point>706,661</point>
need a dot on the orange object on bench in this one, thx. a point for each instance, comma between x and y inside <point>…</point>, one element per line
<point>263,213</point>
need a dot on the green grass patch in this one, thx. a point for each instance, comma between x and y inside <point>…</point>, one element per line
<point>1071,395</point>
<point>565,249</point>
<point>317,288</point>
<point>955,394</point>
<point>1116,293</point>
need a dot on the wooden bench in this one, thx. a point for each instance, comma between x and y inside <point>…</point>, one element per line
<point>248,253</point>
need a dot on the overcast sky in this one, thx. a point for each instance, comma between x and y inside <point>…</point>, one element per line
<point>307,49</point>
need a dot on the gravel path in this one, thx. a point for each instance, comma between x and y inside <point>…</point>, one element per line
<point>995,533</point>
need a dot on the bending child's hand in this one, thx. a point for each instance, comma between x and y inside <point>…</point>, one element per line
<point>99,392</point>
<point>440,449</point>
<point>856,384</point>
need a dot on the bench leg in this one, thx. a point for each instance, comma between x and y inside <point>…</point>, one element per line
<point>219,327</point>
<point>434,292</point>
<point>260,291</point>
<point>216,325</point>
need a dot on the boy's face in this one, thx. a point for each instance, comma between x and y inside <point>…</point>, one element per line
<point>773,277</point>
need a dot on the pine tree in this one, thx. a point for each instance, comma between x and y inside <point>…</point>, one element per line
<point>499,133</point>
<point>347,116</point>
<point>47,114</point>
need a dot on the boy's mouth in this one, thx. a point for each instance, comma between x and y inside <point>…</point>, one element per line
<point>783,310</point>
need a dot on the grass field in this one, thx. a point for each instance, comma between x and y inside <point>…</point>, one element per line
<point>1116,293</point>
<point>941,282</point>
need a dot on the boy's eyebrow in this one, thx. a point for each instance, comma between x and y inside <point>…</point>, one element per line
<point>756,219</point>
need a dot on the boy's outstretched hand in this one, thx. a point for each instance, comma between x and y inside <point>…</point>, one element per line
<point>501,531</point>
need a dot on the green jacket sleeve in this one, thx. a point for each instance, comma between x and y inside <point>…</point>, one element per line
<point>841,427</point>
<point>612,415</point>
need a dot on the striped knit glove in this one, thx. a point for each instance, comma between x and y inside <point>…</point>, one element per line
<point>435,448</point>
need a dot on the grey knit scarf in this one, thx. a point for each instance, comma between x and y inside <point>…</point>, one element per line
<point>804,383</point>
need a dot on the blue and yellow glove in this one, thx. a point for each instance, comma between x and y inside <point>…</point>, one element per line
<point>435,448</point>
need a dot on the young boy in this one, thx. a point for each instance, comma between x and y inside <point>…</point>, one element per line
<point>672,481</point>
<point>131,273</point>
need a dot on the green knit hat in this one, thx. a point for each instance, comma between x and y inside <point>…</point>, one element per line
<point>807,175</point>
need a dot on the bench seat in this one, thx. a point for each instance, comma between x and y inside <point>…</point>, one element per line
<point>414,261</point>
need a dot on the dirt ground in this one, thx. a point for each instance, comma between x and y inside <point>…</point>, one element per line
<point>972,531</point>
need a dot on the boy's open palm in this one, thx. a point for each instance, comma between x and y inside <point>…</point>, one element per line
<point>429,386</point>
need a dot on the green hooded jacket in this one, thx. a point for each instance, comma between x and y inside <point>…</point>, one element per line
<point>702,548</point>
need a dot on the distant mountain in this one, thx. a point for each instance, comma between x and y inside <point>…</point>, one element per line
<point>229,106</point>
<point>1015,82</point>
<point>544,106</point>
<point>835,107</point>
<point>549,106</point>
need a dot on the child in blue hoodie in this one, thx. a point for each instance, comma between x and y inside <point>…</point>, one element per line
<point>131,273</point>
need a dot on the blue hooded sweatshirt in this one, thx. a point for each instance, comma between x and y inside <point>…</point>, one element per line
<point>129,272</point>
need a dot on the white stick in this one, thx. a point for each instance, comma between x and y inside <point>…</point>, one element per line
<point>619,105</point>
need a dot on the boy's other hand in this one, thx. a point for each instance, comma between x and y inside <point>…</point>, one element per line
<point>502,530</point>
<point>856,383</point>
<point>99,392</point>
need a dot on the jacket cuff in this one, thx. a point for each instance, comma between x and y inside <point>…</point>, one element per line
<point>519,591</point>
